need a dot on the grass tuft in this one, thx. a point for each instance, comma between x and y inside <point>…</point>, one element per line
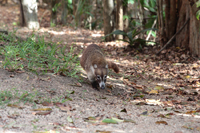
<point>38,56</point>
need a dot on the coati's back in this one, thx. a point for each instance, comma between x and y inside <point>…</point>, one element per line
<point>96,66</point>
<point>92,55</point>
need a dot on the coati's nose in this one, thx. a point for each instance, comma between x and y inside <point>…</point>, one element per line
<point>103,87</point>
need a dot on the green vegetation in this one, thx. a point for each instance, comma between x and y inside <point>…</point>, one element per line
<point>37,56</point>
<point>14,96</point>
<point>132,38</point>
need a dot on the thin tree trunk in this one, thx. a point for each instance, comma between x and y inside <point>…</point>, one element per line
<point>53,12</point>
<point>194,42</point>
<point>182,39</point>
<point>170,18</point>
<point>108,8</point>
<point>28,13</point>
<point>161,22</point>
<point>125,13</point>
<point>119,18</point>
<point>64,12</point>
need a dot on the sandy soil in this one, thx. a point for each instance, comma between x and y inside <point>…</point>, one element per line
<point>85,103</point>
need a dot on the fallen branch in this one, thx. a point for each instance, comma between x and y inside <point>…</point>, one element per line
<point>173,37</point>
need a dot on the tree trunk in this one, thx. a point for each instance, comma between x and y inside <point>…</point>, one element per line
<point>77,16</point>
<point>108,8</point>
<point>170,18</point>
<point>53,12</point>
<point>194,35</point>
<point>182,39</point>
<point>189,37</point>
<point>161,31</point>
<point>125,13</point>
<point>119,18</point>
<point>28,14</point>
<point>64,12</point>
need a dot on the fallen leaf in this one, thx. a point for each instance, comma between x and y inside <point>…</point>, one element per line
<point>69,119</point>
<point>70,92</point>
<point>13,116</point>
<point>198,128</point>
<point>141,103</point>
<point>109,121</point>
<point>164,116</point>
<point>190,112</point>
<point>99,131</point>
<point>123,110</point>
<point>109,86</point>
<point>138,96</point>
<point>159,87</point>
<point>161,122</point>
<point>153,92</point>
<point>14,106</point>
<point>41,113</point>
<point>45,79</point>
<point>65,108</point>
<point>45,103</point>
<point>12,76</point>
<point>76,84</point>
<point>50,131</point>
<point>153,102</point>
<point>42,109</point>
<point>145,113</point>
<point>68,98</point>
<point>118,120</point>
<point>188,127</point>
<point>129,120</point>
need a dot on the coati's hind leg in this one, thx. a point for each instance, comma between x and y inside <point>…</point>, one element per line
<point>95,85</point>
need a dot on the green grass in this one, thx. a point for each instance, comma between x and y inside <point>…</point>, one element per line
<point>37,56</point>
<point>15,96</point>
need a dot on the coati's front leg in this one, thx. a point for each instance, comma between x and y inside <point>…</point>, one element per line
<point>95,85</point>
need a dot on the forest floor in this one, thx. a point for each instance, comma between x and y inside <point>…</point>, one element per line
<point>163,96</point>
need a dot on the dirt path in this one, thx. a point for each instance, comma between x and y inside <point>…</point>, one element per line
<point>85,103</point>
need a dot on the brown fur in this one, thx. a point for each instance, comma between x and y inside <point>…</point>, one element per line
<point>93,56</point>
<point>113,66</point>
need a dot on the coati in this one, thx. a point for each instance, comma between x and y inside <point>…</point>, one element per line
<point>94,63</point>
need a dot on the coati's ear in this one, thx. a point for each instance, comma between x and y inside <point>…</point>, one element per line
<point>106,66</point>
<point>95,65</point>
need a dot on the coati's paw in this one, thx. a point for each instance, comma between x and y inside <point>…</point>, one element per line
<point>95,86</point>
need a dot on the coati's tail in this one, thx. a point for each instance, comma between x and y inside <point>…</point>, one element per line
<point>113,66</point>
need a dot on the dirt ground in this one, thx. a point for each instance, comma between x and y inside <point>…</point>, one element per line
<point>86,102</point>
<point>163,96</point>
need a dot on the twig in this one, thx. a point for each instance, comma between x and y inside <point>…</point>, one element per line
<point>154,23</point>
<point>173,37</point>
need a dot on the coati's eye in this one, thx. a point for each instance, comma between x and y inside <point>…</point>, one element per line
<point>98,77</point>
<point>105,76</point>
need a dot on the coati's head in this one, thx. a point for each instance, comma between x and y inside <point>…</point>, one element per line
<point>101,75</point>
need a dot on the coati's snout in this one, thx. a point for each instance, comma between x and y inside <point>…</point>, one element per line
<point>101,81</point>
<point>101,75</point>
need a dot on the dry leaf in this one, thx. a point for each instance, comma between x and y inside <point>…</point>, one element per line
<point>42,113</point>
<point>153,102</point>
<point>161,122</point>
<point>153,92</point>
<point>42,109</point>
